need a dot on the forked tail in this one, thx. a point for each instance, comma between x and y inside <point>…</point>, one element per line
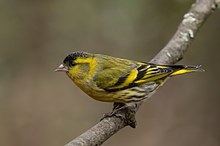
<point>182,69</point>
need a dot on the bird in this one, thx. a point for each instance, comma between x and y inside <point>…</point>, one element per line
<point>111,79</point>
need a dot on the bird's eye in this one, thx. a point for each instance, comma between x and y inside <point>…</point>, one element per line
<point>71,63</point>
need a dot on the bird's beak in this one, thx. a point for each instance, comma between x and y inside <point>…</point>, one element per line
<point>62,68</point>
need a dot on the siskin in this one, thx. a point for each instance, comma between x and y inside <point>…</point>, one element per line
<point>112,79</point>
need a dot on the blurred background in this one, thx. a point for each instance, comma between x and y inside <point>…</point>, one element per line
<point>39,107</point>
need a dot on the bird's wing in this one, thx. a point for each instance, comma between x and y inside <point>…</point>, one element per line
<point>116,78</point>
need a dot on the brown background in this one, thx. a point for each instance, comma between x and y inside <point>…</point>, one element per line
<point>39,107</point>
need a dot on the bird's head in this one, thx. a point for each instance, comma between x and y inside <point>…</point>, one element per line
<point>76,64</point>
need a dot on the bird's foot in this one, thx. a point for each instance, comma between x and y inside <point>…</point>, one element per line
<point>125,112</point>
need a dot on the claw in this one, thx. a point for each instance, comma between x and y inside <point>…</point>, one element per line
<point>124,112</point>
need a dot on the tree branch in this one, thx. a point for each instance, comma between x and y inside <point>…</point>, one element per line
<point>191,23</point>
<point>170,54</point>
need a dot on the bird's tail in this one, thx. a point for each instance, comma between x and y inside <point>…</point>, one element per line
<point>182,69</point>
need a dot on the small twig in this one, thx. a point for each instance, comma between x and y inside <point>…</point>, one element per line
<point>170,54</point>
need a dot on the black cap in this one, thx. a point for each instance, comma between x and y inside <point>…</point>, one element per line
<point>73,56</point>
